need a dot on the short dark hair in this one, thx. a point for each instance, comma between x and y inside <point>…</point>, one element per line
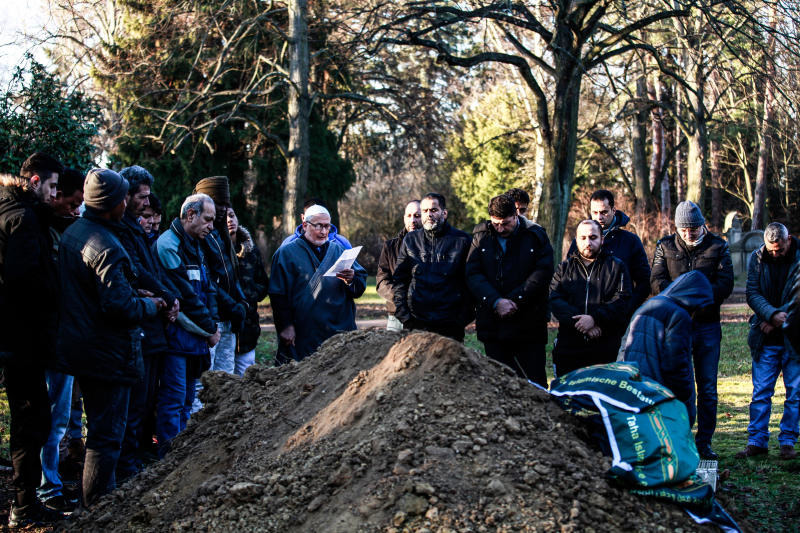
<point>136,176</point>
<point>602,194</point>
<point>593,223</point>
<point>155,204</point>
<point>518,195</point>
<point>70,182</point>
<point>313,201</point>
<point>42,165</point>
<point>502,206</point>
<point>438,197</point>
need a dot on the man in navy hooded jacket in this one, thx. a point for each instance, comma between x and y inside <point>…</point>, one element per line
<point>658,339</point>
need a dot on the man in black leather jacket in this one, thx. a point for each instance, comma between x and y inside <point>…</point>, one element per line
<point>430,290</point>
<point>693,247</point>
<point>590,296</point>
<point>99,334</point>
<point>509,267</point>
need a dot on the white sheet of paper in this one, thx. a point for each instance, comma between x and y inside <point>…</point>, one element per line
<point>344,262</point>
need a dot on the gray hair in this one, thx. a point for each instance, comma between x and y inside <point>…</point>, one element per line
<point>195,202</point>
<point>776,232</point>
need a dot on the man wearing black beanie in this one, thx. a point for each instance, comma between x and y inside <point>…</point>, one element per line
<point>99,333</point>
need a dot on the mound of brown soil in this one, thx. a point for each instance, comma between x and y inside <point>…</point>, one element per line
<point>379,431</point>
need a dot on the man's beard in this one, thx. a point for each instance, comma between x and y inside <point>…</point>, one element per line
<point>592,253</point>
<point>431,225</point>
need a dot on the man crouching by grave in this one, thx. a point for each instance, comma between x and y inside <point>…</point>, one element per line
<point>770,275</point>
<point>309,307</point>
<point>589,295</point>
<point>99,333</point>
<point>659,337</point>
<point>509,268</point>
<point>430,289</point>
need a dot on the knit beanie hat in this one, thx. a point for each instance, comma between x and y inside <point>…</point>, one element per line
<point>217,188</point>
<point>104,189</point>
<point>688,215</point>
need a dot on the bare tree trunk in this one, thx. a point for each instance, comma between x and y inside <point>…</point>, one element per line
<point>716,185</point>
<point>765,139</point>
<point>657,126</point>
<point>638,152</point>
<point>680,180</point>
<point>299,108</point>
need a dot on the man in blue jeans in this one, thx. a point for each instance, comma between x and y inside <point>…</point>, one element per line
<point>770,274</point>
<point>693,247</point>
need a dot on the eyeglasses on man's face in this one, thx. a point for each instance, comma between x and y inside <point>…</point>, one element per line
<point>319,226</point>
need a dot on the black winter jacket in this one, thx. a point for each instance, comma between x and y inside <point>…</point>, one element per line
<point>386,265</point>
<point>99,334</point>
<point>711,257</point>
<point>522,274</point>
<point>429,284</point>
<point>759,283</point>
<point>791,328</point>
<point>627,247</point>
<point>221,258</point>
<point>181,257</point>
<point>150,277</point>
<point>602,290</point>
<point>29,286</point>
<point>255,283</point>
<point>659,335</point>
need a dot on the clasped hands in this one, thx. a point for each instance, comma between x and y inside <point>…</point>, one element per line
<point>586,325</point>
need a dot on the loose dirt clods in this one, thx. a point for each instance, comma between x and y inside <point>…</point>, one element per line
<point>379,431</point>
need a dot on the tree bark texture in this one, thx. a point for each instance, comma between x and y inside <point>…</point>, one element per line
<point>299,109</point>
<point>716,184</point>
<point>765,135</point>
<point>638,148</point>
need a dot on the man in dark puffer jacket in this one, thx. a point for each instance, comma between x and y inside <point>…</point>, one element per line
<point>430,291</point>
<point>693,247</point>
<point>509,267</point>
<point>99,334</point>
<point>589,295</point>
<point>659,335</point>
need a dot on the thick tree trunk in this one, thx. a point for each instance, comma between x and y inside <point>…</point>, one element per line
<point>765,139</point>
<point>657,144</point>
<point>560,164</point>
<point>696,164</point>
<point>638,150</point>
<point>299,109</point>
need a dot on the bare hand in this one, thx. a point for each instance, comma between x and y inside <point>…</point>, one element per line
<point>287,335</point>
<point>144,293</point>
<point>172,313</point>
<point>505,307</point>
<point>160,303</point>
<point>595,332</point>
<point>778,319</point>
<point>346,275</point>
<point>584,323</point>
<point>214,339</point>
<point>766,327</point>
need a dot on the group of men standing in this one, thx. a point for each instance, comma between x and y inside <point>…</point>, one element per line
<point>133,317</point>
<point>434,277</point>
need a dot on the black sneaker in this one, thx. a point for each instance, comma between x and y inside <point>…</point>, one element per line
<point>33,515</point>
<point>60,504</point>
<point>706,452</point>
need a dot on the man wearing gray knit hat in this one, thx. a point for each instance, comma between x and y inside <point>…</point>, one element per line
<point>99,333</point>
<point>693,247</point>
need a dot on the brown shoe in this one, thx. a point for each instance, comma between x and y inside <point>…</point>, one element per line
<point>788,452</point>
<point>752,451</point>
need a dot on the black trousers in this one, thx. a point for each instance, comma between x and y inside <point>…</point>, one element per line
<point>526,358</point>
<point>29,405</point>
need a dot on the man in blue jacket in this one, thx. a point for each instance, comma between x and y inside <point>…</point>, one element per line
<point>658,339</point>
<point>770,274</point>
<point>620,243</point>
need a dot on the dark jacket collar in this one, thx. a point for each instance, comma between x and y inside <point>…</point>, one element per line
<point>132,223</point>
<point>92,215</point>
